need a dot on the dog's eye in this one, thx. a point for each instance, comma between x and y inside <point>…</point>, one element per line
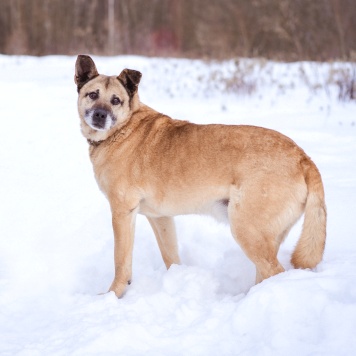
<point>115,100</point>
<point>93,95</point>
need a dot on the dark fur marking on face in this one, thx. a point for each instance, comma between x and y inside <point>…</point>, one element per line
<point>107,83</point>
<point>102,106</point>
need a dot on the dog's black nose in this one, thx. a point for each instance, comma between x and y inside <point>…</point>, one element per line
<point>99,118</point>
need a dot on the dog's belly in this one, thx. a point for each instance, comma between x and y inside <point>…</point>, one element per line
<point>215,208</point>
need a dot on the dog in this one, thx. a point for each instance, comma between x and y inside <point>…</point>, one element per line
<point>145,162</point>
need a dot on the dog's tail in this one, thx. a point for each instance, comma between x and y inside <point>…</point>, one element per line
<point>310,247</point>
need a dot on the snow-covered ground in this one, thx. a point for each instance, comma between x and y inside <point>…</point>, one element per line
<point>56,245</point>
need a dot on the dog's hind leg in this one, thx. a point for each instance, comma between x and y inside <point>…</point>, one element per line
<point>165,233</point>
<point>260,250</point>
<point>255,234</point>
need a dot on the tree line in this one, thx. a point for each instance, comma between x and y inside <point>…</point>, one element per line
<point>286,30</point>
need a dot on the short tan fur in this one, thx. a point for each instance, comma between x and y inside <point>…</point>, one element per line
<point>256,179</point>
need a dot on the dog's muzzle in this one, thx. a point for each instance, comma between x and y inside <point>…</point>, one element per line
<point>99,119</point>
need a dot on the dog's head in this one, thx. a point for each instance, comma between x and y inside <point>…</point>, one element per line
<point>105,102</point>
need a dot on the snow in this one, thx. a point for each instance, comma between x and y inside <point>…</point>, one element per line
<point>56,245</point>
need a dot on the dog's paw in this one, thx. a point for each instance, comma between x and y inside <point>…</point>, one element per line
<point>119,288</point>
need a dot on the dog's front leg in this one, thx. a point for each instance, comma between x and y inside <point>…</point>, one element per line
<point>124,230</point>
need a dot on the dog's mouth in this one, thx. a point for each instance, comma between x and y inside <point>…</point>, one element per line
<point>99,119</point>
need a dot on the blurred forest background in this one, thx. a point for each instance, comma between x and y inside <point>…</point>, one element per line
<point>287,30</point>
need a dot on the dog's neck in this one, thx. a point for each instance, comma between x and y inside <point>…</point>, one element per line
<point>113,137</point>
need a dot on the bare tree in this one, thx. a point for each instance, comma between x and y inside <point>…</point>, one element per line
<point>278,29</point>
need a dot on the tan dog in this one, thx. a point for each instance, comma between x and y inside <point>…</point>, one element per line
<point>260,181</point>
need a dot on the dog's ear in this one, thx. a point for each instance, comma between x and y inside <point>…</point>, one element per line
<point>85,70</point>
<point>130,79</point>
